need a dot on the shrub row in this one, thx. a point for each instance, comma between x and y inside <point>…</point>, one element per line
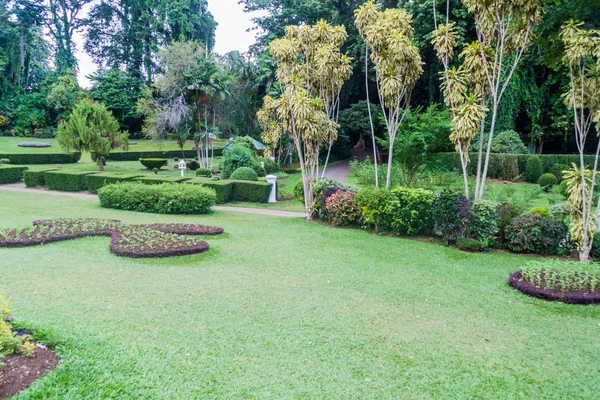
<point>36,177</point>
<point>43,158</point>
<point>157,180</point>
<point>11,173</point>
<point>166,198</point>
<point>509,166</point>
<point>136,155</point>
<point>229,190</point>
<point>96,181</point>
<point>67,181</point>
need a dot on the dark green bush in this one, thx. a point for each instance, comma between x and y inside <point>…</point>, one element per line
<point>192,165</point>
<point>484,221</point>
<point>534,169</point>
<point>260,171</point>
<point>152,163</point>
<point>36,178</point>
<point>508,142</point>
<point>244,174</point>
<point>451,215</point>
<point>557,171</point>
<point>271,166</point>
<point>11,174</point>
<point>547,181</point>
<point>157,180</point>
<point>531,233</point>
<point>506,213</point>
<point>223,189</point>
<point>67,181</point>
<point>205,172</point>
<point>43,158</point>
<point>562,189</point>
<point>257,192</point>
<point>472,245</point>
<point>235,157</point>
<point>4,161</point>
<point>96,181</point>
<point>166,198</point>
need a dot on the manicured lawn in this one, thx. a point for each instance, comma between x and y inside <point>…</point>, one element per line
<point>282,308</point>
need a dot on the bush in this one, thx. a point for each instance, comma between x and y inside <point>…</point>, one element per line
<point>43,158</point>
<point>11,174</point>
<point>271,166</point>
<point>96,181</point>
<point>223,189</point>
<point>506,213</point>
<point>342,209</point>
<point>547,181</point>
<point>541,211</point>
<point>166,198</point>
<point>192,165</point>
<point>4,161</point>
<point>472,245</point>
<point>299,191</point>
<point>152,163</point>
<point>36,178</point>
<point>534,169</point>
<point>409,211</point>
<point>157,180</point>
<point>557,170</point>
<point>372,203</point>
<point>559,212</point>
<point>244,174</point>
<point>562,189</point>
<point>67,181</point>
<point>11,342</point>
<point>530,233</point>
<point>451,215</point>
<point>508,142</point>
<point>204,172</point>
<point>256,192</point>
<point>484,221</point>
<point>260,171</point>
<point>235,157</point>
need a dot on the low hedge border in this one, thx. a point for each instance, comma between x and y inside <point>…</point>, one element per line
<point>11,173</point>
<point>229,190</point>
<point>136,155</point>
<point>67,181</point>
<point>514,280</point>
<point>223,189</point>
<point>43,158</point>
<point>157,180</point>
<point>96,181</point>
<point>36,177</point>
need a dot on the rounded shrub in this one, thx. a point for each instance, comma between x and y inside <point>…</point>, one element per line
<point>484,221</point>
<point>271,166</point>
<point>508,142</point>
<point>534,169</point>
<point>541,211</point>
<point>559,212</point>
<point>557,170</point>
<point>205,172</point>
<point>547,181</point>
<point>562,189</point>
<point>531,233</point>
<point>244,174</point>
<point>260,171</point>
<point>192,165</point>
<point>4,161</point>
<point>235,157</point>
<point>152,163</point>
<point>342,209</point>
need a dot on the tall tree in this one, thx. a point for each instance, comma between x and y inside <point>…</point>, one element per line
<point>64,19</point>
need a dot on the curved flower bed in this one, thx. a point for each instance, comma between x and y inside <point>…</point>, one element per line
<point>152,240</point>
<point>572,297</point>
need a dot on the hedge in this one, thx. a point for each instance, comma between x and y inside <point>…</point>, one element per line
<point>67,181</point>
<point>157,180</point>
<point>36,178</point>
<point>167,198</point>
<point>507,166</point>
<point>228,190</point>
<point>136,155</point>
<point>96,181</point>
<point>151,163</point>
<point>223,189</point>
<point>43,158</point>
<point>11,173</point>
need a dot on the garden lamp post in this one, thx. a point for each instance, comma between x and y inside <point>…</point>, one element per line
<point>182,167</point>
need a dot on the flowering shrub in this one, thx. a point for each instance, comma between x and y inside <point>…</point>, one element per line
<point>154,240</point>
<point>341,208</point>
<point>10,340</point>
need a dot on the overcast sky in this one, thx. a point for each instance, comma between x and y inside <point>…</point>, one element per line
<point>231,34</point>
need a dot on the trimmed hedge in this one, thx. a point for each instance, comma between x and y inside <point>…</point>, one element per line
<point>157,180</point>
<point>507,166</point>
<point>11,173</point>
<point>36,178</point>
<point>67,181</point>
<point>244,174</point>
<point>152,163</point>
<point>43,158</point>
<point>166,198</point>
<point>223,189</point>
<point>97,181</point>
<point>136,155</point>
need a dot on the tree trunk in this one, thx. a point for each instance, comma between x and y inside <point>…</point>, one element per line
<point>584,253</point>
<point>100,163</point>
<point>388,178</point>
<point>361,142</point>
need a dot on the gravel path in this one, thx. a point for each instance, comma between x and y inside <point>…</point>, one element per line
<point>21,188</point>
<point>339,172</point>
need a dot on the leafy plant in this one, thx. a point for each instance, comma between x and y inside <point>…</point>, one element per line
<point>531,233</point>
<point>244,174</point>
<point>508,142</point>
<point>341,208</point>
<point>484,217</point>
<point>451,215</point>
<point>534,169</point>
<point>547,181</point>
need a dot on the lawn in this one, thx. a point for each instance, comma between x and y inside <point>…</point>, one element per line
<point>282,308</point>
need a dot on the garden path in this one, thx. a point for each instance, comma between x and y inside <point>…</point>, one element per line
<point>20,187</point>
<point>339,172</point>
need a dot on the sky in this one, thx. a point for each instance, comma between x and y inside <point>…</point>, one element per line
<point>232,34</point>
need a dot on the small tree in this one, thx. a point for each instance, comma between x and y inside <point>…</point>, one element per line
<point>91,127</point>
<point>582,55</point>
<point>397,63</point>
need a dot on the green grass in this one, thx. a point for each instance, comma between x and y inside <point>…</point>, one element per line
<point>282,308</point>
<point>287,205</point>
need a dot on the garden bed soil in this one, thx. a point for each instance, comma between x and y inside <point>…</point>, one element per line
<point>573,296</point>
<point>19,371</point>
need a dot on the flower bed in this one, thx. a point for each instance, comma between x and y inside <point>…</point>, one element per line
<point>153,240</point>
<point>572,283</point>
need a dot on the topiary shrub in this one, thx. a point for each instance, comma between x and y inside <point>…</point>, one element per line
<point>260,171</point>
<point>563,190</point>
<point>451,215</point>
<point>484,221</point>
<point>192,165</point>
<point>541,211</point>
<point>204,172</point>
<point>67,181</point>
<point>534,169</point>
<point>410,211</point>
<point>96,181</point>
<point>151,163</point>
<point>531,233</point>
<point>11,174</point>
<point>244,174</point>
<point>157,180</point>
<point>166,198</point>
<point>271,166</point>
<point>43,158</point>
<point>235,157</point>
<point>506,213</point>
<point>342,209</point>
<point>36,178</point>
<point>4,161</point>
<point>223,189</point>
<point>508,142</point>
<point>547,181</point>
<point>557,170</point>
<point>256,192</point>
